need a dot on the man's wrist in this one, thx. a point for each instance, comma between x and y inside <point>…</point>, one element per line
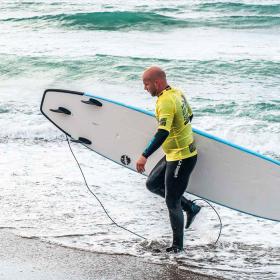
<point>144,155</point>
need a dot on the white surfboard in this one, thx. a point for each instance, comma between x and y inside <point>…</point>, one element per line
<point>225,173</point>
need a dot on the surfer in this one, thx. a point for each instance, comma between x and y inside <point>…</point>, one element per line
<point>169,178</point>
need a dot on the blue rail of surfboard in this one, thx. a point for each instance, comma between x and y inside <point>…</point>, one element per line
<point>205,134</point>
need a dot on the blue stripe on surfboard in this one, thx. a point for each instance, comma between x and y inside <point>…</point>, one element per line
<point>207,135</point>
<point>238,210</point>
<point>121,104</point>
<point>218,203</point>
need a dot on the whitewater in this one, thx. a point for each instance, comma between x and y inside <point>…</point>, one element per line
<point>225,56</point>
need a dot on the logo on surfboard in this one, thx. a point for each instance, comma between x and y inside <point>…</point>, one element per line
<point>125,159</point>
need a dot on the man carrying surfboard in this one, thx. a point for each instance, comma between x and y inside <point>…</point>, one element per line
<point>169,178</point>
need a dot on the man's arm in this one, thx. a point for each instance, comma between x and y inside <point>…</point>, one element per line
<point>156,142</point>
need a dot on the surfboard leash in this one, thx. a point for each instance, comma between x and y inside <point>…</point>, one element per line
<point>113,221</point>
<point>106,212</point>
<point>221,225</point>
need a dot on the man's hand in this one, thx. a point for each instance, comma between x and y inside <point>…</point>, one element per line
<point>140,164</point>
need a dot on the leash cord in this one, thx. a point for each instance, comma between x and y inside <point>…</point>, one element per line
<point>221,225</point>
<point>106,212</point>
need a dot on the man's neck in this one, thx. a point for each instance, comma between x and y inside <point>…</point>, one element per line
<point>166,87</point>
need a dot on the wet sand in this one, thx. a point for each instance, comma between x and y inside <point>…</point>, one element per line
<point>22,259</point>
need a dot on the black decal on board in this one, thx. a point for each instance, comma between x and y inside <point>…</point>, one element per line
<point>125,159</point>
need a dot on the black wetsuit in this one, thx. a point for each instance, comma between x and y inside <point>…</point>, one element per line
<point>170,176</point>
<point>169,179</point>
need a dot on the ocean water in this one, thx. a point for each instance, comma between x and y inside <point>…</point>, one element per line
<point>225,55</point>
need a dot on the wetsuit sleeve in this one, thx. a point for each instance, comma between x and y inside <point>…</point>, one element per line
<point>156,142</point>
<point>165,111</point>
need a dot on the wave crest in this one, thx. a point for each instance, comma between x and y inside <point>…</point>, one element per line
<point>147,21</point>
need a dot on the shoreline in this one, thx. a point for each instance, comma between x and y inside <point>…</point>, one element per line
<point>23,258</point>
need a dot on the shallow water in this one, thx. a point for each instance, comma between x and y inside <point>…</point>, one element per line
<point>225,56</point>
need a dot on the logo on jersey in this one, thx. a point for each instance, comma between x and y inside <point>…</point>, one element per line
<point>163,121</point>
<point>192,147</point>
<point>184,107</point>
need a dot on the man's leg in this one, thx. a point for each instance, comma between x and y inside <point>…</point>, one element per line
<point>155,183</point>
<point>176,180</point>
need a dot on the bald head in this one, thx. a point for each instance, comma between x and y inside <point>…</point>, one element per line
<point>153,73</point>
<point>154,80</point>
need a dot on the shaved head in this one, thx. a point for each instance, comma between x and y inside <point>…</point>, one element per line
<point>154,79</point>
<point>154,73</point>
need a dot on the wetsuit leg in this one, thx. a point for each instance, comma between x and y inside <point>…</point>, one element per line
<point>176,180</point>
<point>155,183</point>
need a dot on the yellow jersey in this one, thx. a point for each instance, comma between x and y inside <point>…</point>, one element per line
<point>173,114</point>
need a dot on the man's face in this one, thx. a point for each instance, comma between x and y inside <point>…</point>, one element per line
<point>150,86</point>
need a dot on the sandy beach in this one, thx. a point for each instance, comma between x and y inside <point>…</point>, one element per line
<point>23,258</point>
